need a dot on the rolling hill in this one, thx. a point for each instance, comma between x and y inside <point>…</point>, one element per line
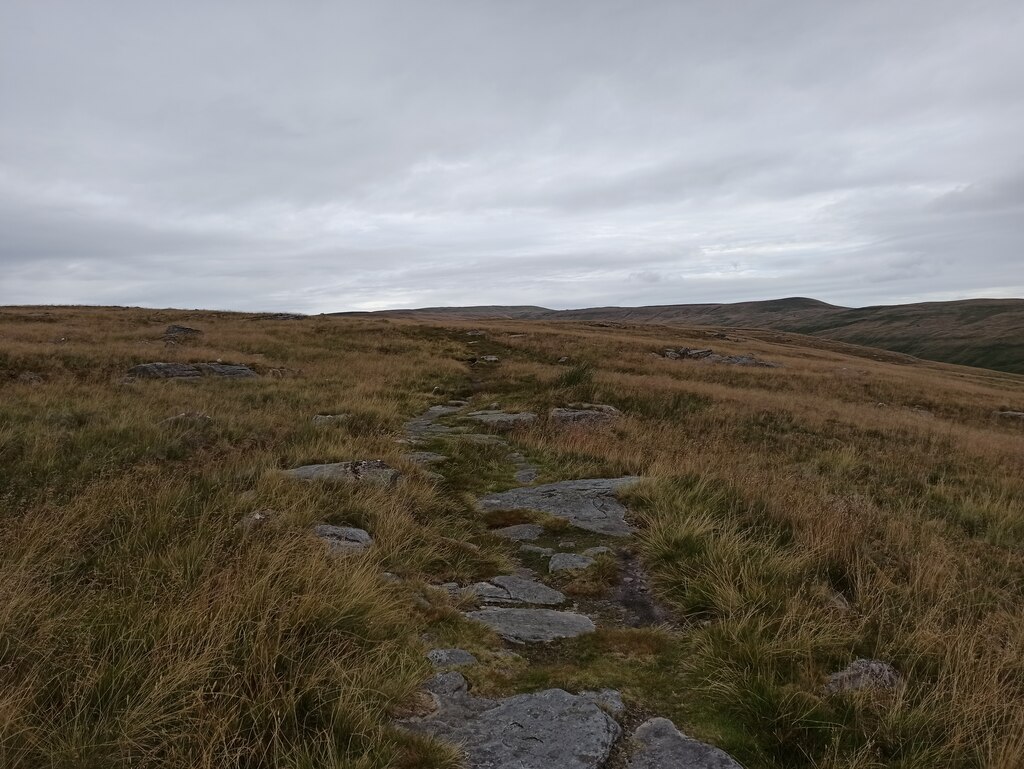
<point>988,333</point>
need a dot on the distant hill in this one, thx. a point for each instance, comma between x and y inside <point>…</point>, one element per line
<point>988,333</point>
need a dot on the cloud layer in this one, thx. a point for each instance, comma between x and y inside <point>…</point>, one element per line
<point>319,156</point>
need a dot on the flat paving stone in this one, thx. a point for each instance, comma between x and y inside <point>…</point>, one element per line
<point>518,589</point>
<point>520,532</point>
<point>371,471</point>
<point>450,658</point>
<point>657,744</point>
<point>533,625</point>
<point>502,418</point>
<point>587,504</point>
<point>569,562</point>
<point>550,729</point>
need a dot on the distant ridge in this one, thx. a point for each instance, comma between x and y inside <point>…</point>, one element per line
<point>988,333</point>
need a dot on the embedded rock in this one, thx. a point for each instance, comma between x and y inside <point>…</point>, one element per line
<point>450,658</point>
<point>188,419</point>
<point>368,471</point>
<point>587,504</point>
<point>1010,414</point>
<point>226,370</point>
<point>543,552</point>
<point>511,588</point>
<point>425,425</point>
<point>657,744</point>
<point>520,532</point>
<point>595,551</point>
<point>533,625</point>
<point>501,418</point>
<point>569,562</point>
<point>180,331</point>
<point>424,457</point>
<point>551,729</point>
<point>165,371</point>
<point>596,415</point>
<point>863,674</point>
<point>343,540</point>
<point>330,419</point>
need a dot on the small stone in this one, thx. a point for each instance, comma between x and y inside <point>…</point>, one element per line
<point>329,419</point>
<point>447,684</point>
<point>371,471</point>
<point>657,744</point>
<point>449,658</point>
<point>520,531</point>
<point>596,551</point>
<point>569,562</point>
<point>543,552</point>
<point>533,625</point>
<point>343,539</point>
<point>490,359</point>
<point>188,418</point>
<point>672,355</point>
<point>564,359</point>
<point>863,674</point>
<point>567,544</point>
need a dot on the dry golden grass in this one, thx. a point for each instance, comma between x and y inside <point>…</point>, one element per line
<point>792,518</point>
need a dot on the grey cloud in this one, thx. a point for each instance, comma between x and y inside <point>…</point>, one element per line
<point>327,156</point>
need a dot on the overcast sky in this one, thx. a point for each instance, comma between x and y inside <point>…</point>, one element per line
<point>319,156</point>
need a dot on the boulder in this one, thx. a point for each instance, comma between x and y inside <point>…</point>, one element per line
<point>587,504</point>
<point>569,562</point>
<point>344,540</point>
<point>533,625</point>
<point>369,471</point>
<point>657,744</point>
<point>863,674</point>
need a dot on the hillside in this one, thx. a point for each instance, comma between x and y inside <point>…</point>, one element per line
<point>362,542</point>
<point>988,333</point>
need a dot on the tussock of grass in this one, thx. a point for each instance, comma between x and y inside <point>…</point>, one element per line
<point>789,521</point>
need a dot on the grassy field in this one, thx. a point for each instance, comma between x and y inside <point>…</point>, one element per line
<point>791,519</point>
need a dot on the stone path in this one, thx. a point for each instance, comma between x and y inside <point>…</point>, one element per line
<point>550,728</point>
<point>588,504</point>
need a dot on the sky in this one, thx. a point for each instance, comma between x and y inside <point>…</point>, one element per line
<point>315,156</point>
